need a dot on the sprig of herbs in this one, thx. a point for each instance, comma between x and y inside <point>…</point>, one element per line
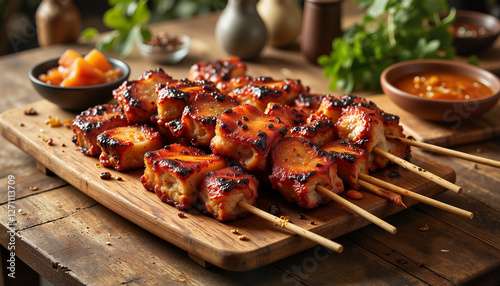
<point>127,18</point>
<point>391,31</point>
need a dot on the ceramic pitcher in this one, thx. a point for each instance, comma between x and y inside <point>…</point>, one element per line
<point>240,30</point>
<point>283,19</point>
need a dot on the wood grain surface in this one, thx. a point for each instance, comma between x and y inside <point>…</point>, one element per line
<point>62,232</point>
<point>446,134</point>
<point>200,235</point>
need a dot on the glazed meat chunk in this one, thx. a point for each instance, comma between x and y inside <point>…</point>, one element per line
<point>364,127</point>
<point>223,189</point>
<point>92,122</point>
<point>319,130</point>
<point>350,159</point>
<point>220,72</point>
<point>392,127</point>
<point>263,90</point>
<point>175,173</point>
<point>138,97</point>
<point>175,96</point>
<point>197,124</point>
<point>306,102</point>
<point>246,135</point>
<point>286,113</point>
<point>298,166</point>
<point>123,148</point>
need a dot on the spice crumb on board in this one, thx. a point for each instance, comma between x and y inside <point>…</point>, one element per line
<point>243,237</point>
<point>424,228</point>
<point>105,175</point>
<point>30,111</point>
<point>235,231</point>
<point>402,261</point>
<point>181,215</point>
<point>33,188</point>
<point>67,123</point>
<point>274,209</point>
<point>355,195</point>
<point>53,122</point>
<point>445,250</point>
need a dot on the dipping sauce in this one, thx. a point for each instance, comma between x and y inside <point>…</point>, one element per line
<point>467,30</point>
<point>443,86</point>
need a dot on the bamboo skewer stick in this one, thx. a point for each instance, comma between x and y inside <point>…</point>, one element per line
<point>292,227</point>
<point>417,170</point>
<point>416,196</point>
<point>446,151</point>
<point>374,219</point>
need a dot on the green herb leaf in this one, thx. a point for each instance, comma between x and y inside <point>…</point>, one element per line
<point>89,33</point>
<point>391,31</point>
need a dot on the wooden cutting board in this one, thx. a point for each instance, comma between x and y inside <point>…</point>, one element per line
<point>445,134</point>
<point>206,240</point>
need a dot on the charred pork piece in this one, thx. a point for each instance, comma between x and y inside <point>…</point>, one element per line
<point>123,148</point>
<point>220,72</point>
<point>298,166</point>
<point>330,107</point>
<point>174,96</point>
<point>246,135</point>
<point>392,127</point>
<point>350,159</point>
<point>262,90</point>
<point>227,86</point>
<point>318,130</point>
<point>364,127</point>
<point>92,122</point>
<point>176,172</point>
<point>223,189</point>
<point>306,102</point>
<point>197,124</point>
<point>286,113</point>
<point>138,97</point>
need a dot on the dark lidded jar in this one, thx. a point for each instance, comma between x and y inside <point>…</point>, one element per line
<point>320,25</point>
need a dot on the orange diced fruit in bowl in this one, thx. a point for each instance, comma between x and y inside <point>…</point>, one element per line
<point>53,76</point>
<point>83,74</point>
<point>68,58</point>
<point>112,75</point>
<point>98,60</point>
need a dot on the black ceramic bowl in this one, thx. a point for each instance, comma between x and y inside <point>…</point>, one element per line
<point>467,43</point>
<point>77,98</point>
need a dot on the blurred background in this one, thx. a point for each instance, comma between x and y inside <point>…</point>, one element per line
<point>18,28</point>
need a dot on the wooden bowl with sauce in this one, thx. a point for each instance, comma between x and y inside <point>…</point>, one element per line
<point>474,32</point>
<point>441,90</point>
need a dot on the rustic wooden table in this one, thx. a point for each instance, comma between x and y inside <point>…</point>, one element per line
<point>63,234</point>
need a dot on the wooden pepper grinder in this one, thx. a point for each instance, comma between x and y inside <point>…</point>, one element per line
<point>57,21</point>
<point>321,24</point>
